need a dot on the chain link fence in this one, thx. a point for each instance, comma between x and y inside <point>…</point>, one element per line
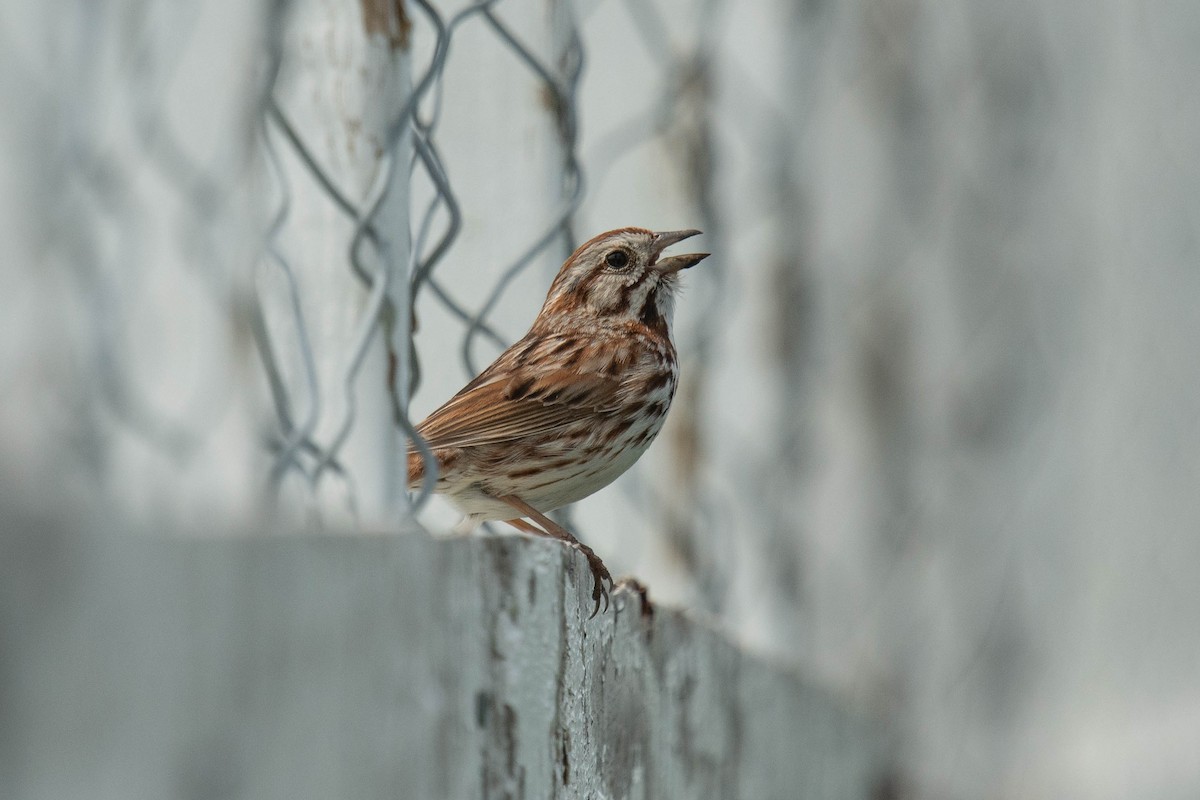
<point>192,139</point>
<point>289,222</point>
<point>936,376</point>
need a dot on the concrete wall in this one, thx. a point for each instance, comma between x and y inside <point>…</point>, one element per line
<point>389,666</point>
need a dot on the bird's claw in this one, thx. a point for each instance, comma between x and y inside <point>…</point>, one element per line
<point>600,574</point>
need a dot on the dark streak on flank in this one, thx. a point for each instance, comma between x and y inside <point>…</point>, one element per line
<point>656,381</point>
<point>618,429</point>
<point>552,481</point>
<point>524,473</point>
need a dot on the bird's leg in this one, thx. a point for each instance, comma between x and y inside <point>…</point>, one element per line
<point>553,530</point>
<point>527,527</point>
<point>599,571</point>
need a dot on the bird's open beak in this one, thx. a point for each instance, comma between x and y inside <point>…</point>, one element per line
<point>664,240</point>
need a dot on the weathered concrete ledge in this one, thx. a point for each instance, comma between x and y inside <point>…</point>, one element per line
<point>382,667</point>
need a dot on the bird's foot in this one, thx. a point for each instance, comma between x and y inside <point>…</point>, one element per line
<point>600,574</point>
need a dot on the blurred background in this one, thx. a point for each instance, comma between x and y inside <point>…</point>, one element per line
<point>938,436</point>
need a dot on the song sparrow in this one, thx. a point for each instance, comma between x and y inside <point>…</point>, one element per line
<point>573,404</point>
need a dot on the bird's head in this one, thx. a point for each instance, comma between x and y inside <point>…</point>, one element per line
<point>622,274</point>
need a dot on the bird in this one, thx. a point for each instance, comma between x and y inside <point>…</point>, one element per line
<point>567,409</point>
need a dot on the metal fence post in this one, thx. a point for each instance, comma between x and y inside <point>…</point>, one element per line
<point>340,142</point>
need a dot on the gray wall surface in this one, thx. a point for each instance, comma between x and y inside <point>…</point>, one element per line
<point>389,666</point>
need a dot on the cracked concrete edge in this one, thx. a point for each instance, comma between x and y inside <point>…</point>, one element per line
<point>383,666</point>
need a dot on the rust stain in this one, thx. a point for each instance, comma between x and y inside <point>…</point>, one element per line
<point>387,18</point>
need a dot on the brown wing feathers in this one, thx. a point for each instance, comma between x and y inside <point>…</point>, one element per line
<point>507,402</point>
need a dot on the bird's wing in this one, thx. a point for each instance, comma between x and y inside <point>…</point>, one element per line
<point>513,400</point>
<point>518,405</point>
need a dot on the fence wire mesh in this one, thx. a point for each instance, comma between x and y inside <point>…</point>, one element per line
<point>926,400</point>
<point>180,194</point>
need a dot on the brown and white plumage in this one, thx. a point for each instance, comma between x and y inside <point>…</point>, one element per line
<point>572,405</point>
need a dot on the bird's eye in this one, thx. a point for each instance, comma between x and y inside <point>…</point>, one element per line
<point>617,259</point>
